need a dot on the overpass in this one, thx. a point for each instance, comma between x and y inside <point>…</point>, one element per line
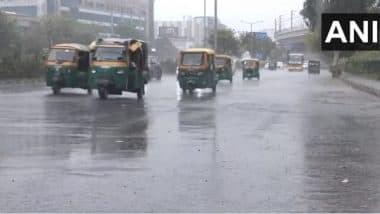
<point>290,32</point>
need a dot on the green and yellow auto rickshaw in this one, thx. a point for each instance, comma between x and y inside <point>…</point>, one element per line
<point>119,65</point>
<point>197,69</point>
<point>224,67</point>
<point>68,66</point>
<point>251,69</point>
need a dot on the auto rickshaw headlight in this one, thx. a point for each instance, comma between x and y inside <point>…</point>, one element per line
<point>120,72</point>
<point>93,71</point>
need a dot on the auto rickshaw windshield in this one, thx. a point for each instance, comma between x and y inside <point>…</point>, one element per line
<point>192,59</point>
<point>110,53</point>
<point>295,59</point>
<point>65,55</point>
<point>221,61</point>
<point>250,63</point>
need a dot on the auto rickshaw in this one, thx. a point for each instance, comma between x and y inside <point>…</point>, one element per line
<point>68,66</point>
<point>314,67</point>
<point>272,65</point>
<point>251,68</point>
<point>197,69</point>
<point>224,67</point>
<point>119,65</point>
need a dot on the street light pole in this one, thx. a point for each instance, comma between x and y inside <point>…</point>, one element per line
<point>216,27</point>
<point>251,33</point>
<point>204,24</point>
<point>112,18</point>
<point>291,19</point>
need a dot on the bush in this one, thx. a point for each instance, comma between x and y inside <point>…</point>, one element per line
<point>364,63</point>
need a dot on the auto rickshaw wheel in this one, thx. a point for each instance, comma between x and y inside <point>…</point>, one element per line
<point>140,94</point>
<point>183,90</point>
<point>103,93</point>
<point>56,90</point>
<point>214,89</point>
<point>89,91</point>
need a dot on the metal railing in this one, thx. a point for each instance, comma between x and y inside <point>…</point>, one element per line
<point>289,23</point>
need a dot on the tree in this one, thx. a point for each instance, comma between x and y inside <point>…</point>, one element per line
<point>128,30</point>
<point>228,43</point>
<point>8,33</point>
<point>310,12</point>
<point>262,47</point>
<point>166,50</point>
<point>312,9</point>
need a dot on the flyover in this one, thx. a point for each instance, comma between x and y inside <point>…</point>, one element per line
<point>291,32</point>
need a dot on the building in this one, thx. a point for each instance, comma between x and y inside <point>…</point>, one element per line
<point>202,30</point>
<point>189,32</point>
<point>136,12</point>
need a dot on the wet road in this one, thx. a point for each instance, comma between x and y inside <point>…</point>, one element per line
<point>290,142</point>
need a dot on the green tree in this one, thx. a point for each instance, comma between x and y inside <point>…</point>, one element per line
<point>8,33</point>
<point>228,43</point>
<point>128,30</point>
<point>165,50</point>
<point>312,9</point>
<point>263,47</point>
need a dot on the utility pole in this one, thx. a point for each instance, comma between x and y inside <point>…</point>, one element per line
<point>151,28</point>
<point>112,18</point>
<point>251,33</point>
<point>205,24</point>
<point>291,19</point>
<point>216,27</point>
<point>275,26</point>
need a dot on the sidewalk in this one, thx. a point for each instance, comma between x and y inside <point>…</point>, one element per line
<point>22,81</point>
<point>366,85</point>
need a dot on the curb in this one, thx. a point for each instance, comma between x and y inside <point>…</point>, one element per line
<point>34,81</point>
<point>359,85</point>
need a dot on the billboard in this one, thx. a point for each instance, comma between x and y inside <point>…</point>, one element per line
<point>168,32</point>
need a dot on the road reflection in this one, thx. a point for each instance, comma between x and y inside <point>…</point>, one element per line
<point>116,127</point>
<point>119,126</point>
<point>340,174</point>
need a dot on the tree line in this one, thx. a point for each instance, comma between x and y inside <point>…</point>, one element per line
<point>363,62</point>
<point>22,49</point>
<point>232,43</point>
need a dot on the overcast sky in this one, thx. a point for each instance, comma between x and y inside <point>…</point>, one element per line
<point>231,12</point>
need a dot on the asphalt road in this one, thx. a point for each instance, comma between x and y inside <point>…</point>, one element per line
<point>291,142</point>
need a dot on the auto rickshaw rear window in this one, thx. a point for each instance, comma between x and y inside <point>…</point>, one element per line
<point>250,63</point>
<point>191,59</point>
<point>66,55</point>
<point>110,53</point>
<point>221,61</point>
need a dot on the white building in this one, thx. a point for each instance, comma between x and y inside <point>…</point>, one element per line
<point>187,33</point>
<point>89,11</point>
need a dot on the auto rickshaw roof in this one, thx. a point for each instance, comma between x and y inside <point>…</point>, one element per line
<point>121,41</point>
<point>250,59</point>
<point>111,46</point>
<point>199,50</point>
<point>72,46</point>
<point>224,56</point>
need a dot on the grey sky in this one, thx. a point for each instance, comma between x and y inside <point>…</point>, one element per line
<point>231,12</point>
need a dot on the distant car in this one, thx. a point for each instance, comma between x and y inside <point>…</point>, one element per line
<point>280,64</point>
<point>155,71</point>
<point>306,65</point>
<point>272,65</point>
<point>314,67</point>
